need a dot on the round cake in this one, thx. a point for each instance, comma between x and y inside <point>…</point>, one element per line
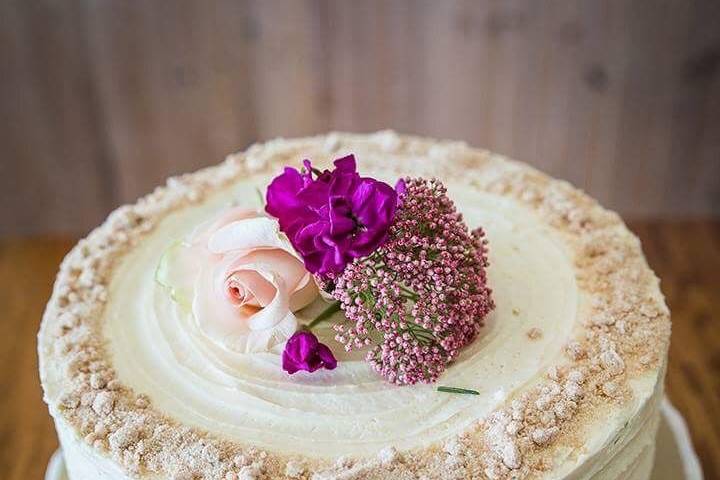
<point>563,380</point>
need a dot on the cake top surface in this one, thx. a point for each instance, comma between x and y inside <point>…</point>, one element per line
<point>568,277</point>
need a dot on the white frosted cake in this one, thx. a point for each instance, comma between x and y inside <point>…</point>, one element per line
<point>563,380</point>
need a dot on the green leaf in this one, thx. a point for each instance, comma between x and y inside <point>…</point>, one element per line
<point>169,275</point>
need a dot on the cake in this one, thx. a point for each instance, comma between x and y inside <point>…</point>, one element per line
<point>563,381</point>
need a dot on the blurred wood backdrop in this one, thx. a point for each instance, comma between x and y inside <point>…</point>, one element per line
<point>100,100</point>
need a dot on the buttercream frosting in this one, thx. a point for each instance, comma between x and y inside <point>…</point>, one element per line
<point>569,366</point>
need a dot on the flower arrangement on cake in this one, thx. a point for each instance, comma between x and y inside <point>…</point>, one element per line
<point>399,262</point>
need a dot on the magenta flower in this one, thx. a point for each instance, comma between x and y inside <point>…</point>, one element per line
<point>334,218</point>
<point>303,351</point>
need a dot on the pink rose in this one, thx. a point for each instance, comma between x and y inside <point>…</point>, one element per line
<point>243,281</point>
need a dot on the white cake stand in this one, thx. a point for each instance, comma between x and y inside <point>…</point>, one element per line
<point>675,457</point>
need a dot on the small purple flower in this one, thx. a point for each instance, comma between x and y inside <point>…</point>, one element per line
<point>333,218</point>
<point>303,351</point>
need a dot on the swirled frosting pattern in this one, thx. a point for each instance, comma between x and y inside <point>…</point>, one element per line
<point>159,350</point>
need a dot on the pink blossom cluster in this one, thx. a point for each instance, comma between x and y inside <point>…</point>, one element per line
<point>422,296</point>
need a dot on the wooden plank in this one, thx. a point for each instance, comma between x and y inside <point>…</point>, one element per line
<point>644,127</point>
<point>591,161</point>
<point>686,257</point>
<point>104,100</point>
<point>176,85</point>
<point>54,174</point>
<point>289,69</point>
<point>695,148</point>
<point>27,436</point>
<point>457,89</point>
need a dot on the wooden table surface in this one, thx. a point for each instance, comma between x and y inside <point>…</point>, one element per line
<point>686,256</point>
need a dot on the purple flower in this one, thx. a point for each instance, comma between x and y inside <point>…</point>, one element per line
<point>333,218</point>
<point>303,351</point>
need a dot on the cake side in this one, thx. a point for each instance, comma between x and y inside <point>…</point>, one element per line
<point>624,338</point>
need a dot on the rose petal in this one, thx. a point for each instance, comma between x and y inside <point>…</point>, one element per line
<point>259,332</point>
<point>247,234</point>
<point>202,233</point>
<point>304,294</point>
<point>277,308</point>
<point>261,291</point>
<point>282,262</point>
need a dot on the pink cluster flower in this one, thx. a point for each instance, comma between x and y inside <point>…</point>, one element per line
<point>422,296</point>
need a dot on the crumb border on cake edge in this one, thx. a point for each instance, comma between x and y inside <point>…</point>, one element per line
<point>626,336</point>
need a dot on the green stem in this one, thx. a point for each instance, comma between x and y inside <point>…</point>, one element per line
<point>331,310</point>
<point>409,294</point>
<point>464,391</point>
<point>260,196</point>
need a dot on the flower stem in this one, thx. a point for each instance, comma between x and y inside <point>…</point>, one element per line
<point>409,294</point>
<point>260,196</point>
<point>464,391</point>
<point>331,310</point>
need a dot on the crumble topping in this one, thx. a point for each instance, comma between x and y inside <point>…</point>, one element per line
<point>626,334</point>
<point>534,333</point>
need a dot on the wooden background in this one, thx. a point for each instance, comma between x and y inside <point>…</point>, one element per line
<point>100,100</point>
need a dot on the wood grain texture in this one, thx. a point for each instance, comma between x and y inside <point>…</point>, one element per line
<point>102,100</point>
<point>686,256</point>
<point>27,436</point>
